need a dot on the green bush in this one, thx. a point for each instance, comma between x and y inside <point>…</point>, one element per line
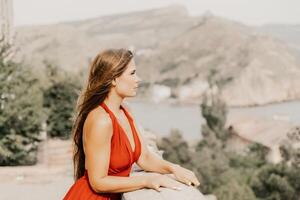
<point>276,182</point>
<point>233,190</point>
<point>175,148</point>
<point>231,175</point>
<point>60,101</point>
<point>21,112</point>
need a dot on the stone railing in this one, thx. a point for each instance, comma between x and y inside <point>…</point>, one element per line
<point>186,193</point>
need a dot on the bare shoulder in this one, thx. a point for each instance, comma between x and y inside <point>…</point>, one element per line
<point>98,124</point>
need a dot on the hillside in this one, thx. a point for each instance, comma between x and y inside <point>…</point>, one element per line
<point>175,50</point>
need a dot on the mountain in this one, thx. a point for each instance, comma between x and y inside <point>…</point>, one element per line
<point>175,50</point>
<point>290,34</point>
<point>72,45</point>
<point>253,68</point>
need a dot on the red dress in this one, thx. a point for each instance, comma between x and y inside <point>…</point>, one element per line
<point>122,157</point>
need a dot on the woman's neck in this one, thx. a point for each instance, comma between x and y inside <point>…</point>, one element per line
<point>114,104</point>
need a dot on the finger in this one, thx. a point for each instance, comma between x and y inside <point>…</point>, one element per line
<point>187,182</point>
<point>195,181</point>
<point>157,188</point>
<point>196,184</point>
<point>176,188</point>
<point>171,184</point>
<point>192,180</point>
<point>184,180</point>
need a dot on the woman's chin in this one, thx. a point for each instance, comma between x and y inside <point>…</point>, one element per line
<point>132,94</point>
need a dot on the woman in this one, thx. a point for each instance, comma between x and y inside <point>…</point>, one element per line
<point>107,142</point>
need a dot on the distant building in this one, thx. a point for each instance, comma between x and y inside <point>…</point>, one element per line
<point>6,20</point>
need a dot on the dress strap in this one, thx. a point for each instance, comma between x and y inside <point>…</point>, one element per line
<point>112,116</point>
<point>128,115</point>
<point>130,120</point>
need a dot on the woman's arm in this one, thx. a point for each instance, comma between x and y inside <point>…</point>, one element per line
<point>98,130</point>
<point>149,161</point>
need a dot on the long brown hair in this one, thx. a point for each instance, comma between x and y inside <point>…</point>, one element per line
<point>108,65</point>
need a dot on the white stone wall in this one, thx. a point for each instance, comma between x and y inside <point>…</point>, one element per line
<point>6,20</point>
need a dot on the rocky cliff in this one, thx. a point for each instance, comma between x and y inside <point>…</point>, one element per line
<point>177,51</point>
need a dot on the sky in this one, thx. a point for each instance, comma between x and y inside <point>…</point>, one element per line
<point>251,12</point>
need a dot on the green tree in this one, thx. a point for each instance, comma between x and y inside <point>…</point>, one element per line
<point>290,149</point>
<point>234,190</point>
<point>214,111</point>
<point>276,182</point>
<point>254,158</point>
<point>234,175</point>
<point>176,149</point>
<point>59,100</point>
<point>21,111</point>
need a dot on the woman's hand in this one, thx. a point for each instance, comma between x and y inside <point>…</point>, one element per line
<point>184,175</point>
<point>155,181</point>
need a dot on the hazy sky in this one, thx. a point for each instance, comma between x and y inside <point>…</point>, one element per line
<point>253,12</point>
